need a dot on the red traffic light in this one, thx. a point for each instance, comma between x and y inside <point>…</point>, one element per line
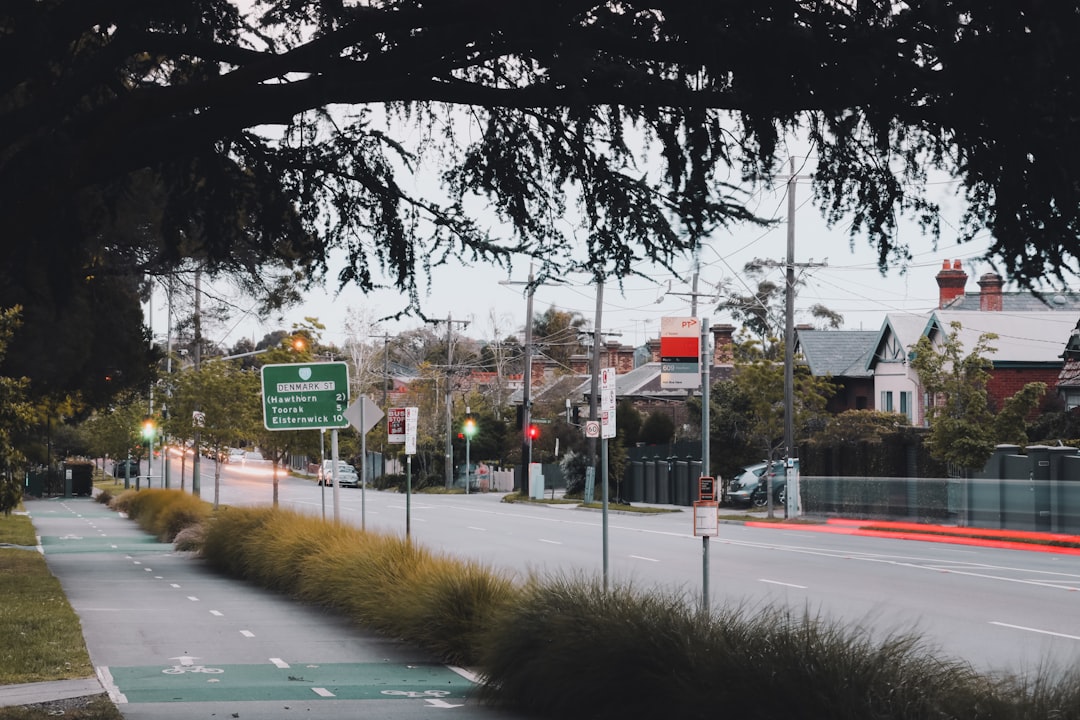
<point>534,432</point>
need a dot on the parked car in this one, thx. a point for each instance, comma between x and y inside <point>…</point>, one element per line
<point>749,486</point>
<point>236,455</point>
<point>119,466</point>
<point>346,473</point>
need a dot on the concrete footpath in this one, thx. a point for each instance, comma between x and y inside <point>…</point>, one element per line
<point>172,640</point>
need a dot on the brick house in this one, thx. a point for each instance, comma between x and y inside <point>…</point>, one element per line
<point>1032,330</point>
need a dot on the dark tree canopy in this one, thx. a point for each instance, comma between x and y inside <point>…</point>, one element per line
<point>138,138</point>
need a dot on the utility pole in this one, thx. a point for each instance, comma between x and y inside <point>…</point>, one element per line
<point>526,391</point>
<point>196,470</point>
<point>449,395</point>
<point>792,506</point>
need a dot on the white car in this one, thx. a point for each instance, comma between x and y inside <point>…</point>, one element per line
<point>235,455</point>
<point>346,474</point>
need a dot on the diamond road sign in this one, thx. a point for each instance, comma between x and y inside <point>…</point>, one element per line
<point>305,396</point>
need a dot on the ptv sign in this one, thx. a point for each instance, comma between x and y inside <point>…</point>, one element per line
<point>305,396</point>
<point>680,353</point>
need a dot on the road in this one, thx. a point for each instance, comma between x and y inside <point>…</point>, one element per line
<point>999,609</point>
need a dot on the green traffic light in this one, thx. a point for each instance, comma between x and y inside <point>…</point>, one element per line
<point>470,427</point>
<point>148,430</point>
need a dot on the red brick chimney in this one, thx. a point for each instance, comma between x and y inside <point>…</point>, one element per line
<point>723,350</point>
<point>951,281</point>
<point>990,292</point>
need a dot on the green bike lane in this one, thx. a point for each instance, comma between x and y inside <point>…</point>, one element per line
<point>170,638</point>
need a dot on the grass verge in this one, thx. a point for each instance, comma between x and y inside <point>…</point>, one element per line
<point>40,635</point>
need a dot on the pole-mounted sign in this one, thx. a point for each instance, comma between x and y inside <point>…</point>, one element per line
<point>680,353</point>
<point>305,396</point>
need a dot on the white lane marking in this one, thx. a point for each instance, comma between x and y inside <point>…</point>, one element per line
<point>114,547</point>
<point>192,598</point>
<point>473,527</point>
<point>174,585</point>
<point>247,633</point>
<point>777,582</point>
<point>149,569</point>
<point>550,542</point>
<point>642,557</point>
<point>136,562</point>
<point>279,663</point>
<point>217,613</point>
<point>1035,630</point>
<point>322,692</point>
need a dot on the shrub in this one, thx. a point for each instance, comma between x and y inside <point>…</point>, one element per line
<point>597,646</point>
<point>228,538</point>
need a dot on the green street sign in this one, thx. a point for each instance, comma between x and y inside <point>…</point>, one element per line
<point>305,396</point>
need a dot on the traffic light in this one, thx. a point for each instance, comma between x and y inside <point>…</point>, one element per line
<point>148,430</point>
<point>469,428</point>
<point>534,432</point>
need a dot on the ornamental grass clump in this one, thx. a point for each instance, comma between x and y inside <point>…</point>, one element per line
<point>163,513</point>
<point>629,654</point>
<point>444,605</point>
<point>361,578</point>
<point>230,536</point>
<point>282,547</point>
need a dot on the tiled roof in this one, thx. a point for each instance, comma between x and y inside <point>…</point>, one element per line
<point>1025,337</point>
<point>1020,301</point>
<point>839,353</point>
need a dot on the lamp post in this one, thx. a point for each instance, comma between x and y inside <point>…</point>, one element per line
<point>469,431</point>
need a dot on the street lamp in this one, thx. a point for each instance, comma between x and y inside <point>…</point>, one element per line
<point>148,432</point>
<point>469,430</point>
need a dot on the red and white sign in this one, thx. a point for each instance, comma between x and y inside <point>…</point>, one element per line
<point>607,402</point>
<point>395,425</point>
<point>680,353</point>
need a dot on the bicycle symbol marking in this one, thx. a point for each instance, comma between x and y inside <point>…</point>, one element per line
<point>417,694</point>
<point>181,669</point>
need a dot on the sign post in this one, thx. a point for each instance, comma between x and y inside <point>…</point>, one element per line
<point>706,525</point>
<point>363,415</point>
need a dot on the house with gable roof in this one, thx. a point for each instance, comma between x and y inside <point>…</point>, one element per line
<point>1032,331</point>
<point>843,356</point>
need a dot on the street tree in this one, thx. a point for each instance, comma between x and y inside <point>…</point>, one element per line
<point>557,335</point>
<point>963,427</point>
<point>227,398</point>
<point>955,377</point>
<point>15,417</point>
<point>758,304</point>
<point>261,139</point>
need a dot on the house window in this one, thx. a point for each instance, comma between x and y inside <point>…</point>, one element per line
<point>886,401</point>
<point>905,405</point>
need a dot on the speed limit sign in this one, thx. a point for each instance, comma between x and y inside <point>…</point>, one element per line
<point>592,428</point>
